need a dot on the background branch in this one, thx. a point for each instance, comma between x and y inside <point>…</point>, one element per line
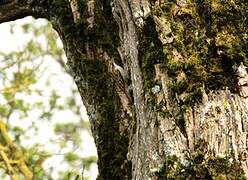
<point>11,10</point>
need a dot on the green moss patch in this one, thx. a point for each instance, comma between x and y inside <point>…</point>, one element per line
<point>210,37</point>
<point>199,167</point>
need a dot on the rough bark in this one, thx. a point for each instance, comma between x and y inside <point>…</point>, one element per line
<point>181,110</point>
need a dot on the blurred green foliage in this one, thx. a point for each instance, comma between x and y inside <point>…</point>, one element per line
<point>34,105</point>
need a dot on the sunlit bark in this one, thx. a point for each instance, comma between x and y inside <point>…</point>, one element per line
<point>188,106</point>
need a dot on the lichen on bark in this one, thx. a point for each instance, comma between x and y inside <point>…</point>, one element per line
<point>180,56</point>
<point>202,46</point>
<point>209,37</point>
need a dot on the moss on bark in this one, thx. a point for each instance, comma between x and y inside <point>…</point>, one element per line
<point>200,167</point>
<point>210,37</point>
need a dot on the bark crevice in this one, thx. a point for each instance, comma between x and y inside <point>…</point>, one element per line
<point>182,87</point>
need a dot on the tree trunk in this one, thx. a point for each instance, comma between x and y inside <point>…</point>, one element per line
<point>178,107</point>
